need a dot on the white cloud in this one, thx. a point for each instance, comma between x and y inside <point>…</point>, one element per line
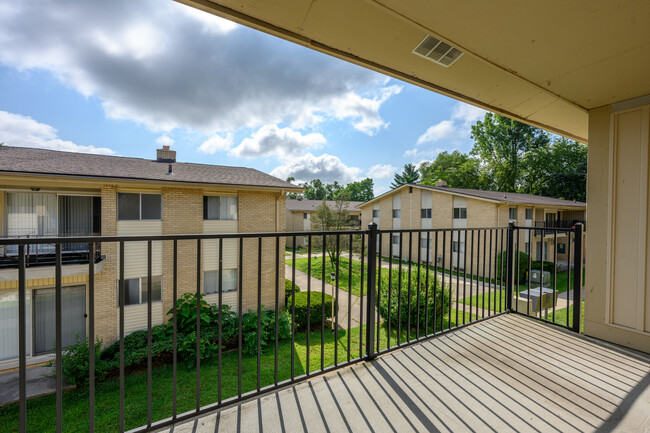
<point>327,168</point>
<point>467,114</point>
<point>416,153</point>
<point>441,130</point>
<point>281,142</point>
<point>166,65</point>
<point>165,140</point>
<point>22,131</point>
<point>381,171</point>
<point>216,143</point>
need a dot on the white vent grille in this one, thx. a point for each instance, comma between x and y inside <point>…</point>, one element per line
<point>437,51</point>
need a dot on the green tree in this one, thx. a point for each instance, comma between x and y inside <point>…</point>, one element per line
<point>409,175</point>
<point>501,144</point>
<point>458,169</point>
<point>314,190</point>
<point>559,170</point>
<point>360,191</point>
<point>335,218</point>
<point>292,179</point>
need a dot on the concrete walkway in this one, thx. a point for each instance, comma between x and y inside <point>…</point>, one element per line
<point>506,374</point>
<point>37,384</point>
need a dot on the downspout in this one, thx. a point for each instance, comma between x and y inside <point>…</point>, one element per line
<point>277,211</point>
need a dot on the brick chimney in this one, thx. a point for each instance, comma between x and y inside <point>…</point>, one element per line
<point>165,155</point>
<point>441,183</point>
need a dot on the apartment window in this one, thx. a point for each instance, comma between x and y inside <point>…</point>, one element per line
<point>220,208</point>
<point>395,239</point>
<point>527,248</point>
<point>397,213</point>
<point>529,214</point>
<point>513,213</point>
<point>135,290</point>
<point>305,216</point>
<point>425,213</point>
<point>424,243</point>
<point>460,213</point>
<point>211,281</point>
<point>135,207</point>
<point>455,246</point>
<point>375,213</point>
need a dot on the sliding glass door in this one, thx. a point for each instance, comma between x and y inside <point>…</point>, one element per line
<point>73,312</point>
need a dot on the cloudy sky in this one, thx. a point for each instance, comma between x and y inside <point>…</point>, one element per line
<point>124,77</point>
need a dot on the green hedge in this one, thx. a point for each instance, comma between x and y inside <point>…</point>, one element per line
<point>315,310</point>
<point>288,287</point>
<point>396,315</point>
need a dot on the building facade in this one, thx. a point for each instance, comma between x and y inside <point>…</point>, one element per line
<point>300,213</point>
<point>434,207</point>
<point>48,194</point>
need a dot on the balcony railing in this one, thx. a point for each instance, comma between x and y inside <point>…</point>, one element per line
<point>560,224</point>
<point>441,280</point>
<point>43,254</point>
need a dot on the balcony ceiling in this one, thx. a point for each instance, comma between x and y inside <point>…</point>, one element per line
<point>545,63</point>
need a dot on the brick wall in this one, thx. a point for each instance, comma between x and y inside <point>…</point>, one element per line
<point>259,212</point>
<point>106,326</point>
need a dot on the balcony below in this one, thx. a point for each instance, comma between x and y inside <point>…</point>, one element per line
<point>508,373</point>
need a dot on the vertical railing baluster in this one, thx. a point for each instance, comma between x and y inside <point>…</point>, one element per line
<point>408,292</point>
<point>175,332</point>
<point>390,288</point>
<point>502,263</point>
<point>220,318</point>
<point>490,286</point>
<point>541,275</point>
<point>322,305</point>
<point>554,272</point>
<point>377,304</point>
<point>22,340</point>
<point>484,276</point>
<point>577,280</point>
<point>516,272</point>
<point>444,253</point>
<point>417,293</point>
<point>531,236</point>
<point>240,308</point>
<point>308,303</point>
<point>121,296</point>
<point>509,252</point>
<point>451,265</point>
<point>59,345</point>
<point>435,285</point>
<point>427,268</point>
<point>471,278</point>
<point>293,310</point>
<point>372,275</point>
<point>335,298</point>
<point>464,274</point>
<point>350,298</point>
<point>259,313</point>
<point>149,337</point>
<point>568,278</point>
<point>277,308</point>
<point>399,291</point>
<point>457,276</point>
<point>361,289</point>
<point>91,337</point>
<point>198,325</point>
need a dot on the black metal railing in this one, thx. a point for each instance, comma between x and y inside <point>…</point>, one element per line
<point>436,281</point>
<point>560,224</point>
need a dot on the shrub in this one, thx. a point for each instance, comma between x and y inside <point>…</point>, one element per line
<point>288,289</point>
<point>75,364</point>
<point>186,312</point>
<point>523,266</point>
<point>397,299</point>
<point>314,310</point>
<point>267,331</point>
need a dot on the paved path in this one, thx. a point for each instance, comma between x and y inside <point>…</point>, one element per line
<point>37,383</point>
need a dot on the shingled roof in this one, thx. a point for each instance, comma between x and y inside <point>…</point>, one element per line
<point>497,196</point>
<point>312,205</point>
<point>24,160</point>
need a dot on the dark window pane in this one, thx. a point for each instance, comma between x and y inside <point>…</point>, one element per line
<point>151,207</point>
<point>128,206</point>
<point>211,209</point>
<point>132,291</point>
<point>210,282</point>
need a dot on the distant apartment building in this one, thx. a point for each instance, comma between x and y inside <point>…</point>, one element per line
<point>300,213</point>
<point>439,206</point>
<point>47,193</point>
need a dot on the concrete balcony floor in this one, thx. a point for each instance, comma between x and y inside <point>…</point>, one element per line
<point>509,373</point>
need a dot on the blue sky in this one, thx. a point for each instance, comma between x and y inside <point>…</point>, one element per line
<point>117,78</point>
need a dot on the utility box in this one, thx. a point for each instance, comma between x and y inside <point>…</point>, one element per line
<point>535,277</point>
<point>537,302</point>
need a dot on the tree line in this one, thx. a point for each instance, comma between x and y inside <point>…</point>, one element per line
<point>317,190</point>
<point>508,156</point>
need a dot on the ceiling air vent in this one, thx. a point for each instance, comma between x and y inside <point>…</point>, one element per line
<point>437,51</point>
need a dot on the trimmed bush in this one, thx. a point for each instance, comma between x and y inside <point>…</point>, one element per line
<point>315,310</point>
<point>399,302</point>
<point>523,266</point>
<point>288,288</point>
<point>75,364</point>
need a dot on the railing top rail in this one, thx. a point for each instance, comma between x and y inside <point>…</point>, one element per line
<point>442,229</point>
<point>132,238</point>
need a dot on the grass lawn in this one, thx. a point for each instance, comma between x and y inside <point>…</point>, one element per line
<point>344,272</point>
<point>41,410</point>
<point>494,300</point>
<point>560,316</point>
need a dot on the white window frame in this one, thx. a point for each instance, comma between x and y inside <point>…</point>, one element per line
<point>208,197</point>
<point>143,288</point>
<point>426,212</point>
<point>461,215</point>
<point>216,290</point>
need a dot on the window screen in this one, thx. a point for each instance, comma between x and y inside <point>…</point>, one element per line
<point>128,206</point>
<point>151,206</point>
<point>425,213</point>
<point>220,208</point>
<point>460,212</point>
<point>397,213</point>
<point>156,289</point>
<point>211,281</point>
<point>529,214</point>
<point>513,213</point>
<point>375,213</point>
